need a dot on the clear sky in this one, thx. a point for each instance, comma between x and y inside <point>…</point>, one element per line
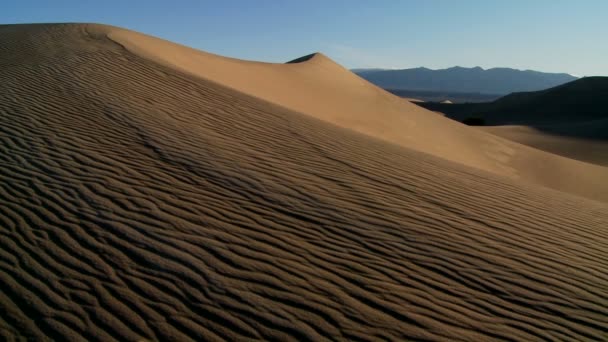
<point>547,35</point>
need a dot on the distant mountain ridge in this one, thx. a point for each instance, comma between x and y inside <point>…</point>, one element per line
<point>459,79</point>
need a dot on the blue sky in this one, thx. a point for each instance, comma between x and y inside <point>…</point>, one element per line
<point>555,36</point>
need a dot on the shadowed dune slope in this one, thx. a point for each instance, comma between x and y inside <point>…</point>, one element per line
<point>578,101</point>
<point>139,202</point>
<point>316,86</point>
<point>569,120</point>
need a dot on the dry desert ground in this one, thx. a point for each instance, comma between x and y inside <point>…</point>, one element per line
<point>150,191</point>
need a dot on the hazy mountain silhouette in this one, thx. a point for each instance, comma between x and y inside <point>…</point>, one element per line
<point>458,79</point>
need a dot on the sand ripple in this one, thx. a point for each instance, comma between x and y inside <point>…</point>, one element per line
<point>137,202</point>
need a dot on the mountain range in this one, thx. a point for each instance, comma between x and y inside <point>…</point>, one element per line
<point>496,81</point>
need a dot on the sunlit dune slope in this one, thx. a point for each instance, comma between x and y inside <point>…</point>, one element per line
<point>567,144</point>
<point>316,86</point>
<point>138,202</point>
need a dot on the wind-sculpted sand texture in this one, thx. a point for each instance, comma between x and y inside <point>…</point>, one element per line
<point>138,202</point>
<point>317,86</point>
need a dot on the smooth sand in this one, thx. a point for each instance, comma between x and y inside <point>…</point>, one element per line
<point>141,201</point>
<point>574,145</point>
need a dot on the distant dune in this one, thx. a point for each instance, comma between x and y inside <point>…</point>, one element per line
<point>569,120</point>
<point>589,150</point>
<point>152,191</point>
<point>574,102</point>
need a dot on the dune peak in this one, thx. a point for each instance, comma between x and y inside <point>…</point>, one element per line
<point>309,57</point>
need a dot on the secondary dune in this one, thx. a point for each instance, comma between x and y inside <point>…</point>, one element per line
<point>569,120</point>
<point>317,86</point>
<point>570,144</point>
<point>578,101</point>
<point>138,201</point>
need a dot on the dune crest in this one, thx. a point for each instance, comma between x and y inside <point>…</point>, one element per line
<point>140,202</point>
<point>319,87</point>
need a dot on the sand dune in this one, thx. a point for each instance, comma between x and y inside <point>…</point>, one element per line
<point>579,101</point>
<point>318,87</point>
<point>570,145</point>
<point>139,201</point>
<point>569,120</point>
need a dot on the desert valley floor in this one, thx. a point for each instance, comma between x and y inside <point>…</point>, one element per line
<point>149,191</point>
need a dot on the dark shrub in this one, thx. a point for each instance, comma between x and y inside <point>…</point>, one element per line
<point>474,122</point>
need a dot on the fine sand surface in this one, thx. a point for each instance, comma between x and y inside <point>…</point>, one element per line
<point>144,201</point>
<point>571,144</point>
<point>317,86</point>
